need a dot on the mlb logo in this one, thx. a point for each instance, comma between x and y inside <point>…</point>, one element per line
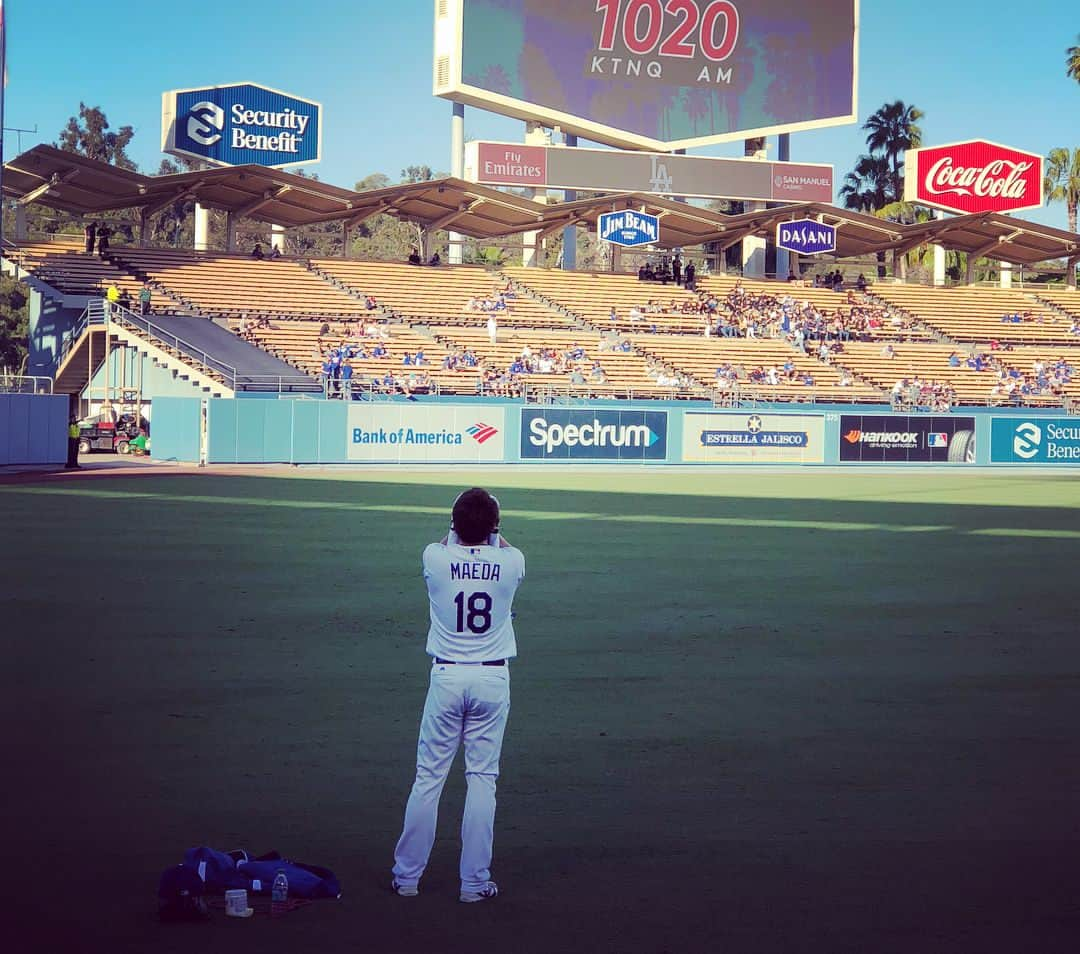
<point>937,439</point>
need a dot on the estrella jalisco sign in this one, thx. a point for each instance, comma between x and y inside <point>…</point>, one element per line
<point>628,228</point>
<point>806,237</point>
<point>240,124</point>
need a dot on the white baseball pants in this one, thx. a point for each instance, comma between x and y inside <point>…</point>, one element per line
<point>466,702</point>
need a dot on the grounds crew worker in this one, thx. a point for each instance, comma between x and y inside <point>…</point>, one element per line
<point>73,445</point>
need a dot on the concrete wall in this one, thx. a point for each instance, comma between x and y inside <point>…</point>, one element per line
<point>49,321</point>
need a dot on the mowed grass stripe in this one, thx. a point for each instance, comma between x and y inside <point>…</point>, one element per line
<point>673,519</point>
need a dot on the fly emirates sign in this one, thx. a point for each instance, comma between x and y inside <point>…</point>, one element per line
<point>976,176</point>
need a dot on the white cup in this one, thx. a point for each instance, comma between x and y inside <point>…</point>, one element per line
<point>236,905</point>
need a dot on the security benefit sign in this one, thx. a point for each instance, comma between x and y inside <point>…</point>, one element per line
<point>577,434</point>
<point>628,228</point>
<point>754,438</point>
<point>900,439</point>
<point>1039,440</point>
<point>392,432</point>
<point>806,237</point>
<point>240,124</point>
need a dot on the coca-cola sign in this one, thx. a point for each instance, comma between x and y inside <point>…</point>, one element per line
<point>975,176</point>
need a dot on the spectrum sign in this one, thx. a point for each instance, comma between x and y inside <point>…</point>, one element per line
<point>571,434</point>
<point>241,124</point>
<point>976,176</point>
<point>653,74</point>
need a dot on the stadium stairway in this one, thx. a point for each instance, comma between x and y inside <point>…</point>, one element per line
<point>214,360</point>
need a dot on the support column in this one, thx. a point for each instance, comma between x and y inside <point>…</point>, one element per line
<point>346,239</point>
<point>144,228</point>
<point>969,277</point>
<point>939,257</point>
<point>786,262</point>
<point>1070,275</point>
<point>569,235</point>
<point>277,237</point>
<point>1006,275</point>
<point>202,228</point>
<point>457,169</point>
<point>21,232</point>
<point>535,135</point>
<point>230,232</point>
<point>753,248</point>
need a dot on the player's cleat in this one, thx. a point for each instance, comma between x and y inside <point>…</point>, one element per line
<point>486,893</point>
<point>404,890</point>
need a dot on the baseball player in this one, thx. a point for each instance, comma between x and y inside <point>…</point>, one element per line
<point>472,575</point>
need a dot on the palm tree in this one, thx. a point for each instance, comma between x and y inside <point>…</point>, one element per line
<point>866,188</point>
<point>892,131</point>
<point>1072,62</point>
<point>1061,181</point>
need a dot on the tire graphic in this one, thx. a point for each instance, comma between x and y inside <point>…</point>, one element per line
<point>962,448</point>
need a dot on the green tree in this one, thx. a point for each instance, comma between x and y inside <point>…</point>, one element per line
<point>1072,61</point>
<point>892,130</point>
<point>1061,181</point>
<point>88,135</point>
<point>384,237</point>
<point>14,324</point>
<point>867,187</point>
<point>418,174</point>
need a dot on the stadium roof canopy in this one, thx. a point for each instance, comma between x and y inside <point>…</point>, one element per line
<point>73,183</point>
<point>76,184</point>
<point>856,232</point>
<point>475,210</point>
<point>992,235</point>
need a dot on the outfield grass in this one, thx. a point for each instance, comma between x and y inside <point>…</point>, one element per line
<point>753,712</point>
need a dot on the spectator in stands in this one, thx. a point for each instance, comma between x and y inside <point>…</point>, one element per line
<point>436,260</point>
<point>414,256</point>
<point>125,300</point>
<point>407,359</point>
<point>346,379</point>
<point>492,329</point>
<point>144,299</point>
<point>89,233</point>
<point>112,297</point>
<point>104,233</point>
<point>419,358</point>
<point>676,268</point>
<point>275,253</point>
<point>257,252</point>
<point>691,274</point>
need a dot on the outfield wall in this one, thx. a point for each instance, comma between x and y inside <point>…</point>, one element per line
<point>33,428</point>
<point>445,432</point>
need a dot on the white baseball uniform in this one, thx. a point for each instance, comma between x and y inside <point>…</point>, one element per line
<point>471,641</point>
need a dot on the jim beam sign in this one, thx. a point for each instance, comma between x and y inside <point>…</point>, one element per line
<point>975,176</point>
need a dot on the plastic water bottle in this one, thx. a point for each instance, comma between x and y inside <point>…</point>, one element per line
<point>279,894</point>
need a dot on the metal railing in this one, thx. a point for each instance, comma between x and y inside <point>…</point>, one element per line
<point>11,383</point>
<point>190,354</point>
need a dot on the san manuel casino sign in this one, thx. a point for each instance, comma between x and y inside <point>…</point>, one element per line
<point>976,176</point>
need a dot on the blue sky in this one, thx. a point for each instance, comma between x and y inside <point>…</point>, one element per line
<point>977,68</point>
